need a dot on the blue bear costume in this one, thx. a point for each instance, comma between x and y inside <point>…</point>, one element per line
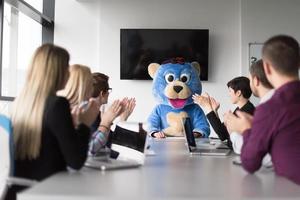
<point>174,83</point>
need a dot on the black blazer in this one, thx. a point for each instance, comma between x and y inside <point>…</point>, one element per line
<point>220,128</point>
<point>61,144</point>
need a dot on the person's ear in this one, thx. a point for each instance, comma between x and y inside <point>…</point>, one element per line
<point>267,67</point>
<point>102,94</point>
<point>238,93</point>
<point>256,81</point>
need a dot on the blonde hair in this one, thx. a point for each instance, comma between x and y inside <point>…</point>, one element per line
<point>79,86</point>
<point>46,74</point>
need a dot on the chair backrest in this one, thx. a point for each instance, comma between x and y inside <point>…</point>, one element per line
<point>6,156</point>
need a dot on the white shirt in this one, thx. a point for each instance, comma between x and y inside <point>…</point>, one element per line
<point>237,139</point>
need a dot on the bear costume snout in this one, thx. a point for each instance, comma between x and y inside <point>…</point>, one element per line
<point>177,88</point>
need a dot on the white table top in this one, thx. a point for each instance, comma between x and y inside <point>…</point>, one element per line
<point>170,174</point>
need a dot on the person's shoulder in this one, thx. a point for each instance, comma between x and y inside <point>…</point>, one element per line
<point>57,101</point>
<point>267,108</point>
<point>273,101</point>
<point>56,107</point>
<point>251,104</point>
<point>251,107</point>
<point>248,108</point>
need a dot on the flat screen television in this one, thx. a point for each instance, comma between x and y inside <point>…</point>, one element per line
<point>140,47</point>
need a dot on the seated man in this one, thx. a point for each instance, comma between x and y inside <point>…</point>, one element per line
<point>262,89</point>
<point>119,108</point>
<point>275,127</point>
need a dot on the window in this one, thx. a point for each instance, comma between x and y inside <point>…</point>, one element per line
<point>37,4</point>
<point>25,26</point>
<point>21,36</point>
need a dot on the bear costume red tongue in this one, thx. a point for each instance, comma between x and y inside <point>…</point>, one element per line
<point>177,103</point>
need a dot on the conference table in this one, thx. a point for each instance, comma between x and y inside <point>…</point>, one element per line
<point>171,173</point>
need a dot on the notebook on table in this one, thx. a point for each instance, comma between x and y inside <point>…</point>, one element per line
<point>192,146</point>
<point>129,141</point>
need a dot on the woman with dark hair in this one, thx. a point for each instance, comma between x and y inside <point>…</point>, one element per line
<point>239,93</point>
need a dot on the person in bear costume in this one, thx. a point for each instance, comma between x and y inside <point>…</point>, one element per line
<point>174,83</point>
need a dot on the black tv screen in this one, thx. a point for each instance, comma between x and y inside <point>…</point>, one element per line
<point>140,47</point>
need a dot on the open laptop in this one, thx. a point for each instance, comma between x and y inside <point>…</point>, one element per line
<point>129,140</point>
<point>191,143</point>
<point>101,163</point>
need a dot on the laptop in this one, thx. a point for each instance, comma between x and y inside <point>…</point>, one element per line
<point>201,150</point>
<point>129,141</point>
<point>101,163</point>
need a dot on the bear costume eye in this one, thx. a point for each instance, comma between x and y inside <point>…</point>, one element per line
<point>184,78</point>
<point>169,78</point>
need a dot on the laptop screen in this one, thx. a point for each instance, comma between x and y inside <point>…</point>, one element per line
<point>128,138</point>
<point>188,132</point>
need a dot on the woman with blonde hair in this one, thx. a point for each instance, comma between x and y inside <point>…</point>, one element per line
<point>79,87</point>
<point>45,138</point>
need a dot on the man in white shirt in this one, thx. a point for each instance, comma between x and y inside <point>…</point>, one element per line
<point>262,89</point>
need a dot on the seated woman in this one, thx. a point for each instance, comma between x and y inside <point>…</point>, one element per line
<point>239,92</point>
<point>101,127</point>
<point>45,139</point>
<point>79,87</point>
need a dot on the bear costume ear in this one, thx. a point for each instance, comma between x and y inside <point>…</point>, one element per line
<point>152,68</point>
<point>196,65</point>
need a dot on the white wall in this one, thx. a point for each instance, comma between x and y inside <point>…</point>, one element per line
<point>220,17</point>
<point>77,29</point>
<point>85,18</point>
<point>262,19</point>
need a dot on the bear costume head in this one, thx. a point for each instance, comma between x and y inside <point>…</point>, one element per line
<point>174,83</point>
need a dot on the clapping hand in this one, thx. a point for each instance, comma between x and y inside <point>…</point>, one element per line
<point>238,123</point>
<point>85,114</point>
<point>203,101</point>
<point>214,104</point>
<point>128,106</point>
<point>111,113</point>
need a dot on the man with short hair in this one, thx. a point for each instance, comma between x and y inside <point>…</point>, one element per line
<point>259,83</point>
<point>262,89</point>
<point>275,127</point>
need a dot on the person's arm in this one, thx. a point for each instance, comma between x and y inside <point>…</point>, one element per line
<point>200,122</point>
<point>256,141</point>
<point>100,136</point>
<point>218,126</point>
<point>73,143</point>
<point>98,141</point>
<point>95,124</point>
<point>154,122</point>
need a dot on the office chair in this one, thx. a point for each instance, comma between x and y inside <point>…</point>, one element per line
<point>7,159</point>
